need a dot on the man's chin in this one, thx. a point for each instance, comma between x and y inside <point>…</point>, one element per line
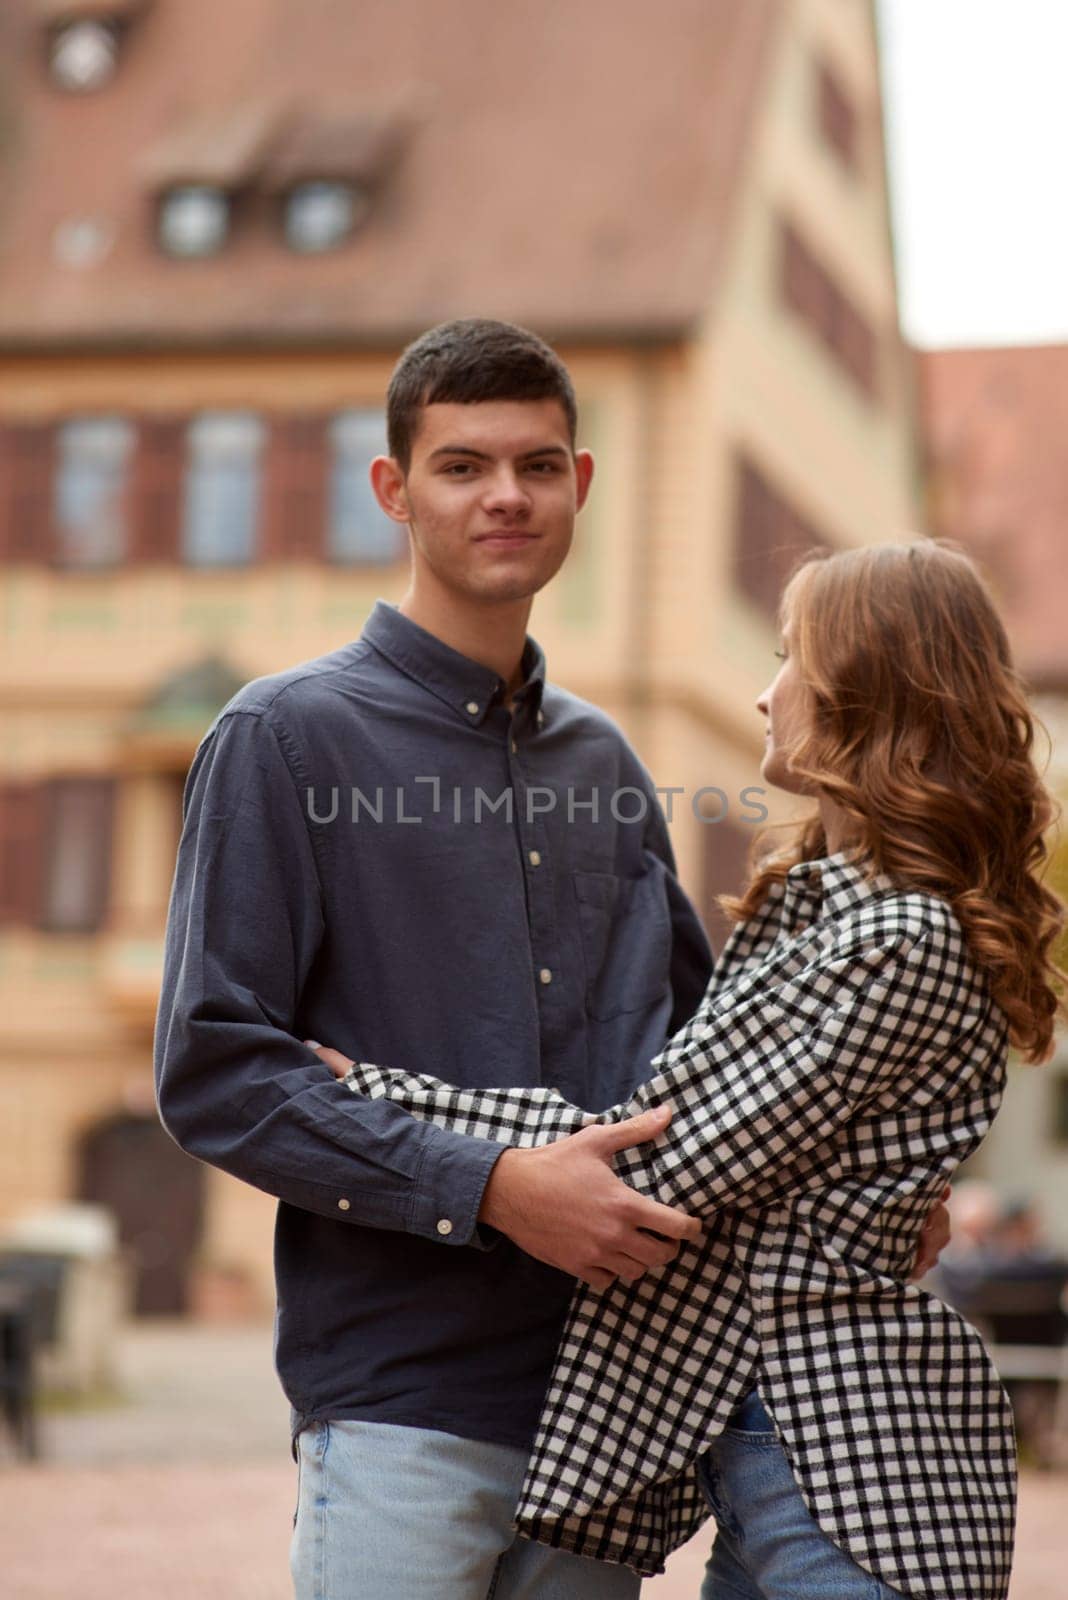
<point>508,588</point>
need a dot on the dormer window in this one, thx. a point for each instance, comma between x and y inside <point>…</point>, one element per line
<point>322,213</point>
<point>84,56</point>
<point>202,171</point>
<point>194,220</point>
<point>85,38</point>
<point>328,169</point>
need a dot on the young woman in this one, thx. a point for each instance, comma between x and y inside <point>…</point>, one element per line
<point>846,1428</point>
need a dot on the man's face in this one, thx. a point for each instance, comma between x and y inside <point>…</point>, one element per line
<point>490,496</point>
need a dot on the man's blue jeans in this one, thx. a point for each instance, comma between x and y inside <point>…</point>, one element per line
<point>394,1513</point>
<point>769,1546</point>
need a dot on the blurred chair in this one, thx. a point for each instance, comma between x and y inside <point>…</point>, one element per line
<point>66,1262</point>
<point>16,1365</point>
<point>1019,1307</point>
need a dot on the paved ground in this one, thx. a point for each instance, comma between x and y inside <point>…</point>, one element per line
<point>185,1490</point>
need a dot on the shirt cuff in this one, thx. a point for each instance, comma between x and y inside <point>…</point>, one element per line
<point>448,1191</point>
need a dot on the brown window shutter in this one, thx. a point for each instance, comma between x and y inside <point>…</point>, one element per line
<point>159,468</point>
<point>78,817</point>
<point>21,852</point>
<point>724,858</point>
<point>858,348</point>
<point>837,116</point>
<point>758,533</point>
<point>770,537</point>
<point>293,518</point>
<point>27,464</point>
<point>812,293</point>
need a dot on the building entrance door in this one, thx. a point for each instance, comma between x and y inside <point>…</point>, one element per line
<point>156,1192</point>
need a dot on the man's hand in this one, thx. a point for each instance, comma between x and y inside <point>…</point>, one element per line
<point>563,1204</point>
<point>934,1238</point>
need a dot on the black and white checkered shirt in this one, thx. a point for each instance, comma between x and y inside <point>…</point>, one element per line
<point>845,1059</point>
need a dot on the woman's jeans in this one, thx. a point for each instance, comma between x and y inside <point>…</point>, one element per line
<point>769,1547</point>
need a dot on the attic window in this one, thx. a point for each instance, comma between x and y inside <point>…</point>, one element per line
<point>84,56</point>
<point>194,220</point>
<point>322,213</point>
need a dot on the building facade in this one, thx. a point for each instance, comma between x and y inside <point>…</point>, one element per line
<point>210,260</point>
<point>994,424</point>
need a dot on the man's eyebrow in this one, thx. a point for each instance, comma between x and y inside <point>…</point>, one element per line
<point>481,455</point>
<point>459,450</point>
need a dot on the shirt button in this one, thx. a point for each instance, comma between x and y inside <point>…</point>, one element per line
<point>515,748</point>
<point>343,1205</point>
<point>541,719</point>
<point>545,975</point>
<point>534,858</point>
<point>472,706</point>
<point>444,1227</point>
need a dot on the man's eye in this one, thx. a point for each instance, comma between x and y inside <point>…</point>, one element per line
<point>459,469</point>
<point>545,468</point>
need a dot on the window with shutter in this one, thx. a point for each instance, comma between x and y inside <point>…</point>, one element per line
<point>77,818</point>
<point>92,490</point>
<point>812,293</point>
<point>358,528</point>
<point>770,537</point>
<point>836,116</point>
<point>221,495</point>
<point>724,855</point>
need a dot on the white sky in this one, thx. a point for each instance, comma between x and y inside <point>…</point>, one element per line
<point>977,127</point>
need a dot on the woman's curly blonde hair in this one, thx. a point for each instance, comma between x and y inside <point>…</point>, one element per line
<point>921,734</point>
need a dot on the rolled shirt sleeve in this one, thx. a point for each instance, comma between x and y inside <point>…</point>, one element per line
<point>235,1085</point>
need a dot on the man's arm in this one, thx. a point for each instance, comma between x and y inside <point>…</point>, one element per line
<point>755,1091</point>
<point>235,1087</point>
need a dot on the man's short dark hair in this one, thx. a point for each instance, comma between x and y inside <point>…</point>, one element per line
<point>468,361</point>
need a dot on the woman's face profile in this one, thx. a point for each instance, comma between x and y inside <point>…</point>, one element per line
<point>783,704</point>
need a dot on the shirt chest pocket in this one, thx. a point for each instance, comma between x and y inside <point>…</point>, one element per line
<point>626,939</point>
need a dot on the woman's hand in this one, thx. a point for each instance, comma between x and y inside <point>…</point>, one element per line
<point>337,1063</point>
<point>933,1239</point>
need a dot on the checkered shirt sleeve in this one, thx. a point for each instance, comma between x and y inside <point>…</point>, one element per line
<point>755,1081</point>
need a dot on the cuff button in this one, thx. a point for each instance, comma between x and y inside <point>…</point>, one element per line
<point>444,1226</point>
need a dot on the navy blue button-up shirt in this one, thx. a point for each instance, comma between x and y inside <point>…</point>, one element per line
<point>376,853</point>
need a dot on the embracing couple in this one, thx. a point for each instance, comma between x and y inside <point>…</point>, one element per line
<point>478,1050</point>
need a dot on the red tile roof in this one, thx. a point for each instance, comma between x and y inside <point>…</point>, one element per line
<point>569,164</point>
<point>996,432</point>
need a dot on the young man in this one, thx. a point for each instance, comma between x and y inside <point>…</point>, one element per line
<point>412,848</point>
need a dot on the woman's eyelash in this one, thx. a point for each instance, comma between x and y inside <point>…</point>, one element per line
<point>780,653</point>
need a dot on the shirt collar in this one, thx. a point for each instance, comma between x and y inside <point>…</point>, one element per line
<point>466,685</point>
<point>838,882</point>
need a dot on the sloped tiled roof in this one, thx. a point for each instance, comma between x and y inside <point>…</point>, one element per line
<point>995,424</point>
<point>569,164</point>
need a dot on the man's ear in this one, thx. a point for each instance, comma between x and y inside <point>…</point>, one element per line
<point>387,481</point>
<point>583,477</point>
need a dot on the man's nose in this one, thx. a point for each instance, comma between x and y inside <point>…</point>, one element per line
<point>505,492</point>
